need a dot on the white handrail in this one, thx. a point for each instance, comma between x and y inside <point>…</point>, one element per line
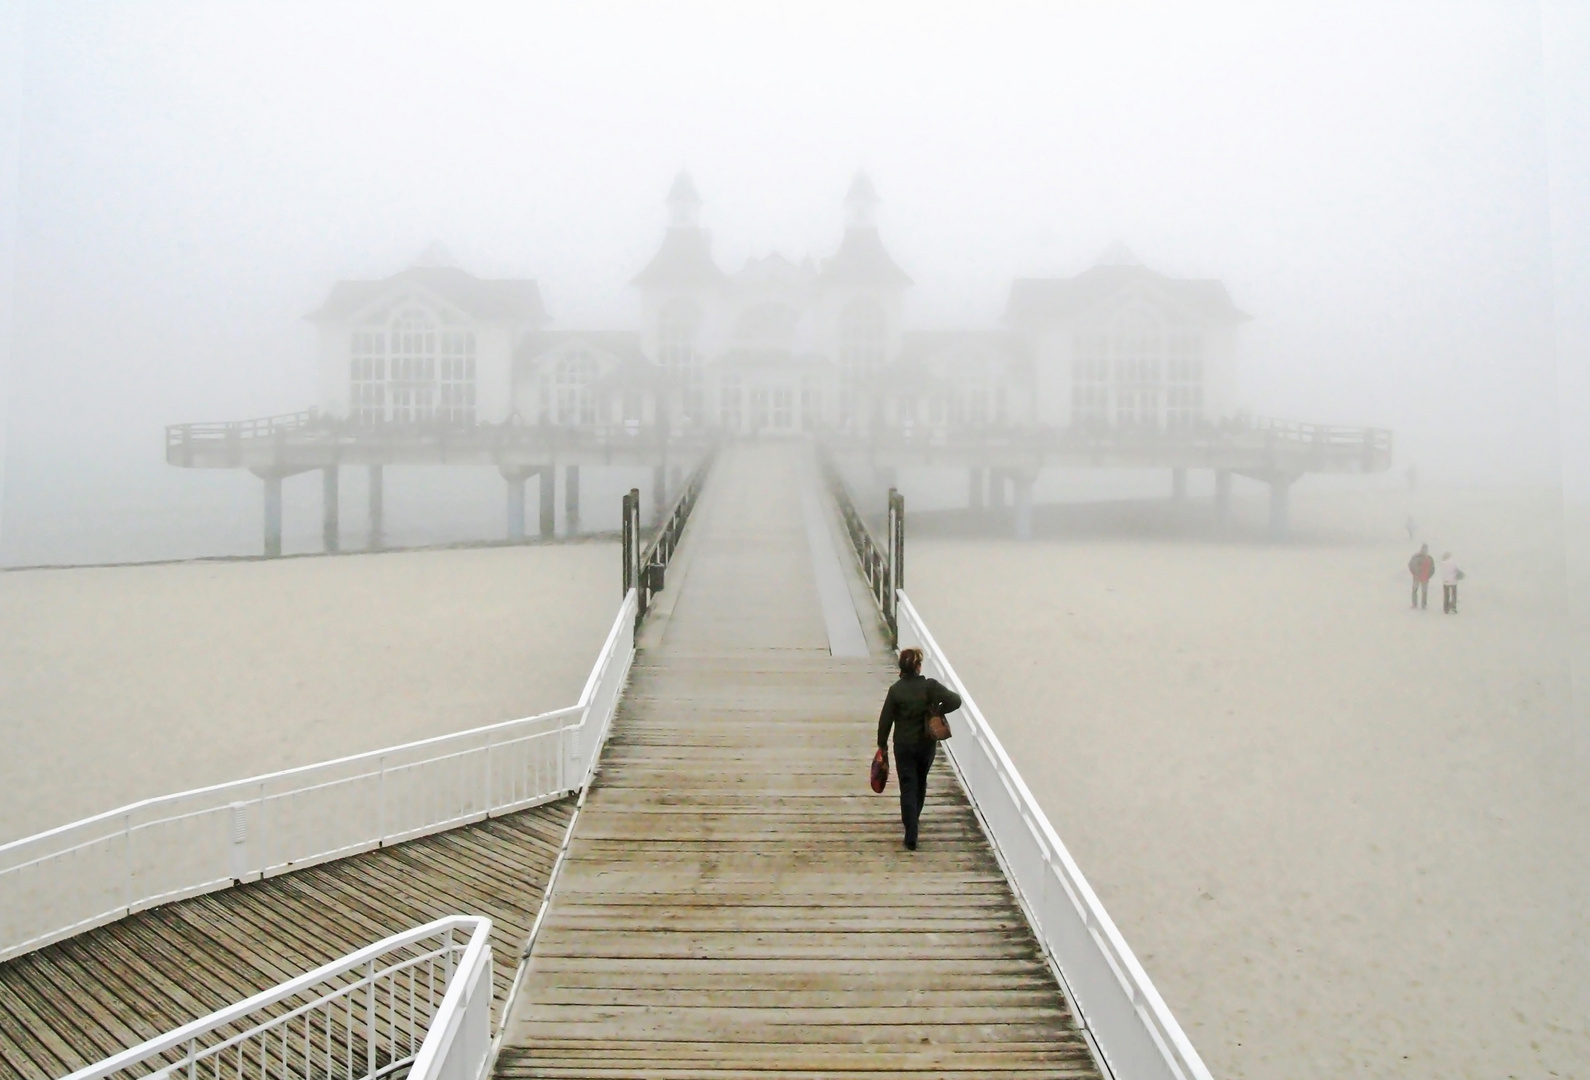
<point>368,1014</point>
<point>1133,1029</point>
<point>69,879</point>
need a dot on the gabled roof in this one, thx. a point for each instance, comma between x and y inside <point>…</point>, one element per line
<point>685,258</point>
<point>480,298</point>
<point>1039,300</point>
<point>862,260</point>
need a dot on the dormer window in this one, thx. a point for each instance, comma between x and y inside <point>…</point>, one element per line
<point>574,389</point>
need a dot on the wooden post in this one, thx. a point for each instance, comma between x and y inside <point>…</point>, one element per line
<point>515,479</point>
<point>628,545</point>
<point>331,505</point>
<point>273,515</point>
<point>377,508</point>
<point>571,501</point>
<point>547,482</point>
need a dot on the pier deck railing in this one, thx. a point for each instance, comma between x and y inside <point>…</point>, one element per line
<point>416,1004</point>
<point>69,879</point>
<point>1132,1028</point>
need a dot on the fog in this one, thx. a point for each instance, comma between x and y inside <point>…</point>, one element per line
<point>1375,186</point>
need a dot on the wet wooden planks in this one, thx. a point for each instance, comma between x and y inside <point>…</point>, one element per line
<point>736,901</point>
<point>81,1000</point>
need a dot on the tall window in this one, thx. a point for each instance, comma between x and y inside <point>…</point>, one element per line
<point>677,328</point>
<point>574,389</point>
<point>783,408</point>
<point>1138,348</point>
<point>1184,381</point>
<point>1090,381</point>
<point>413,354</point>
<point>759,414</point>
<point>458,377</point>
<point>861,338</point>
<point>367,377</point>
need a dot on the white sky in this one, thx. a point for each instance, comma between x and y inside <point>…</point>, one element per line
<point>1371,181</point>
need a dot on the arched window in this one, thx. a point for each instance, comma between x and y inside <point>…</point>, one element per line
<point>1184,380</point>
<point>861,338</point>
<point>1137,346</point>
<point>678,325</point>
<point>367,377</point>
<point>574,389</point>
<point>458,377</point>
<point>412,345</point>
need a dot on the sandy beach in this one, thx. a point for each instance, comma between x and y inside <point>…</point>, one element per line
<point>1344,837</point>
<point>120,683</point>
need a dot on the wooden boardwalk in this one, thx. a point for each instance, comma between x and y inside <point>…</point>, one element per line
<point>736,901</point>
<point>81,1000</point>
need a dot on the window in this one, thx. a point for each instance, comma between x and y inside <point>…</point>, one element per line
<point>783,408</point>
<point>1090,381</point>
<point>458,377</point>
<point>811,406</point>
<point>1137,347</point>
<point>759,412</point>
<point>574,389</point>
<point>413,353</point>
<point>677,329</point>
<point>367,378</point>
<point>861,339</point>
<point>1184,381</point>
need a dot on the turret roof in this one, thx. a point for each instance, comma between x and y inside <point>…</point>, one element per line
<point>685,258</point>
<point>862,260</point>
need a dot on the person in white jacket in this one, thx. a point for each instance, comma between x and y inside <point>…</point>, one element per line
<point>1450,576</point>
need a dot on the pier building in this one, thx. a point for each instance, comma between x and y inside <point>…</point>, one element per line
<point>1117,366</point>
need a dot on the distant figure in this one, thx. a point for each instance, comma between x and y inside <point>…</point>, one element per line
<point>1450,576</point>
<point>1422,567</point>
<point>1412,526</point>
<point>906,710</point>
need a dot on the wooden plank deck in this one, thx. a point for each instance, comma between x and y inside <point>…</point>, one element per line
<point>736,901</point>
<point>83,999</point>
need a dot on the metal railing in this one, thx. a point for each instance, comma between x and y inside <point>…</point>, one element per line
<point>645,567</point>
<point>417,1003</point>
<point>1132,1030</point>
<point>69,879</point>
<point>882,564</point>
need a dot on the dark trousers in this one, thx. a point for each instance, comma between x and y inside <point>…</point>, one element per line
<point>1449,599</point>
<point>912,763</point>
<point>1421,593</point>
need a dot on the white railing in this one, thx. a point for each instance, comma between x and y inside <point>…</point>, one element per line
<point>64,881</point>
<point>418,1001</point>
<point>1131,1026</point>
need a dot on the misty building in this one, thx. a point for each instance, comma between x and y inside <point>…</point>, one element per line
<point>779,347</point>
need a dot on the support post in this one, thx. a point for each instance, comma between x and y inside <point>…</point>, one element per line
<point>377,508</point>
<point>571,501</point>
<point>515,479</point>
<point>1223,493</point>
<point>330,505</point>
<point>628,528</point>
<point>1178,484</point>
<point>1023,486</point>
<point>273,515</point>
<point>974,489</point>
<point>1280,507</point>
<point>547,491</point>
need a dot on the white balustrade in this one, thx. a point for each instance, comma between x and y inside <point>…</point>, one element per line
<point>64,881</point>
<point>1128,1021</point>
<point>417,1002</point>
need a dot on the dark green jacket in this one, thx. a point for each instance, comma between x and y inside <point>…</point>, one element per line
<point>906,709</point>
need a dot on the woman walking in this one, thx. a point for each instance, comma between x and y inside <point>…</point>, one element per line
<point>910,702</point>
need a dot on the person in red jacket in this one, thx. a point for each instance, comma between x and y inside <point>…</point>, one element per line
<point>1422,567</point>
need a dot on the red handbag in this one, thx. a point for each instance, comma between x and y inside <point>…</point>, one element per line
<point>880,772</point>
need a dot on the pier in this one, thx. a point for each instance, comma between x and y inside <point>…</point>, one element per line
<point>682,875</point>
